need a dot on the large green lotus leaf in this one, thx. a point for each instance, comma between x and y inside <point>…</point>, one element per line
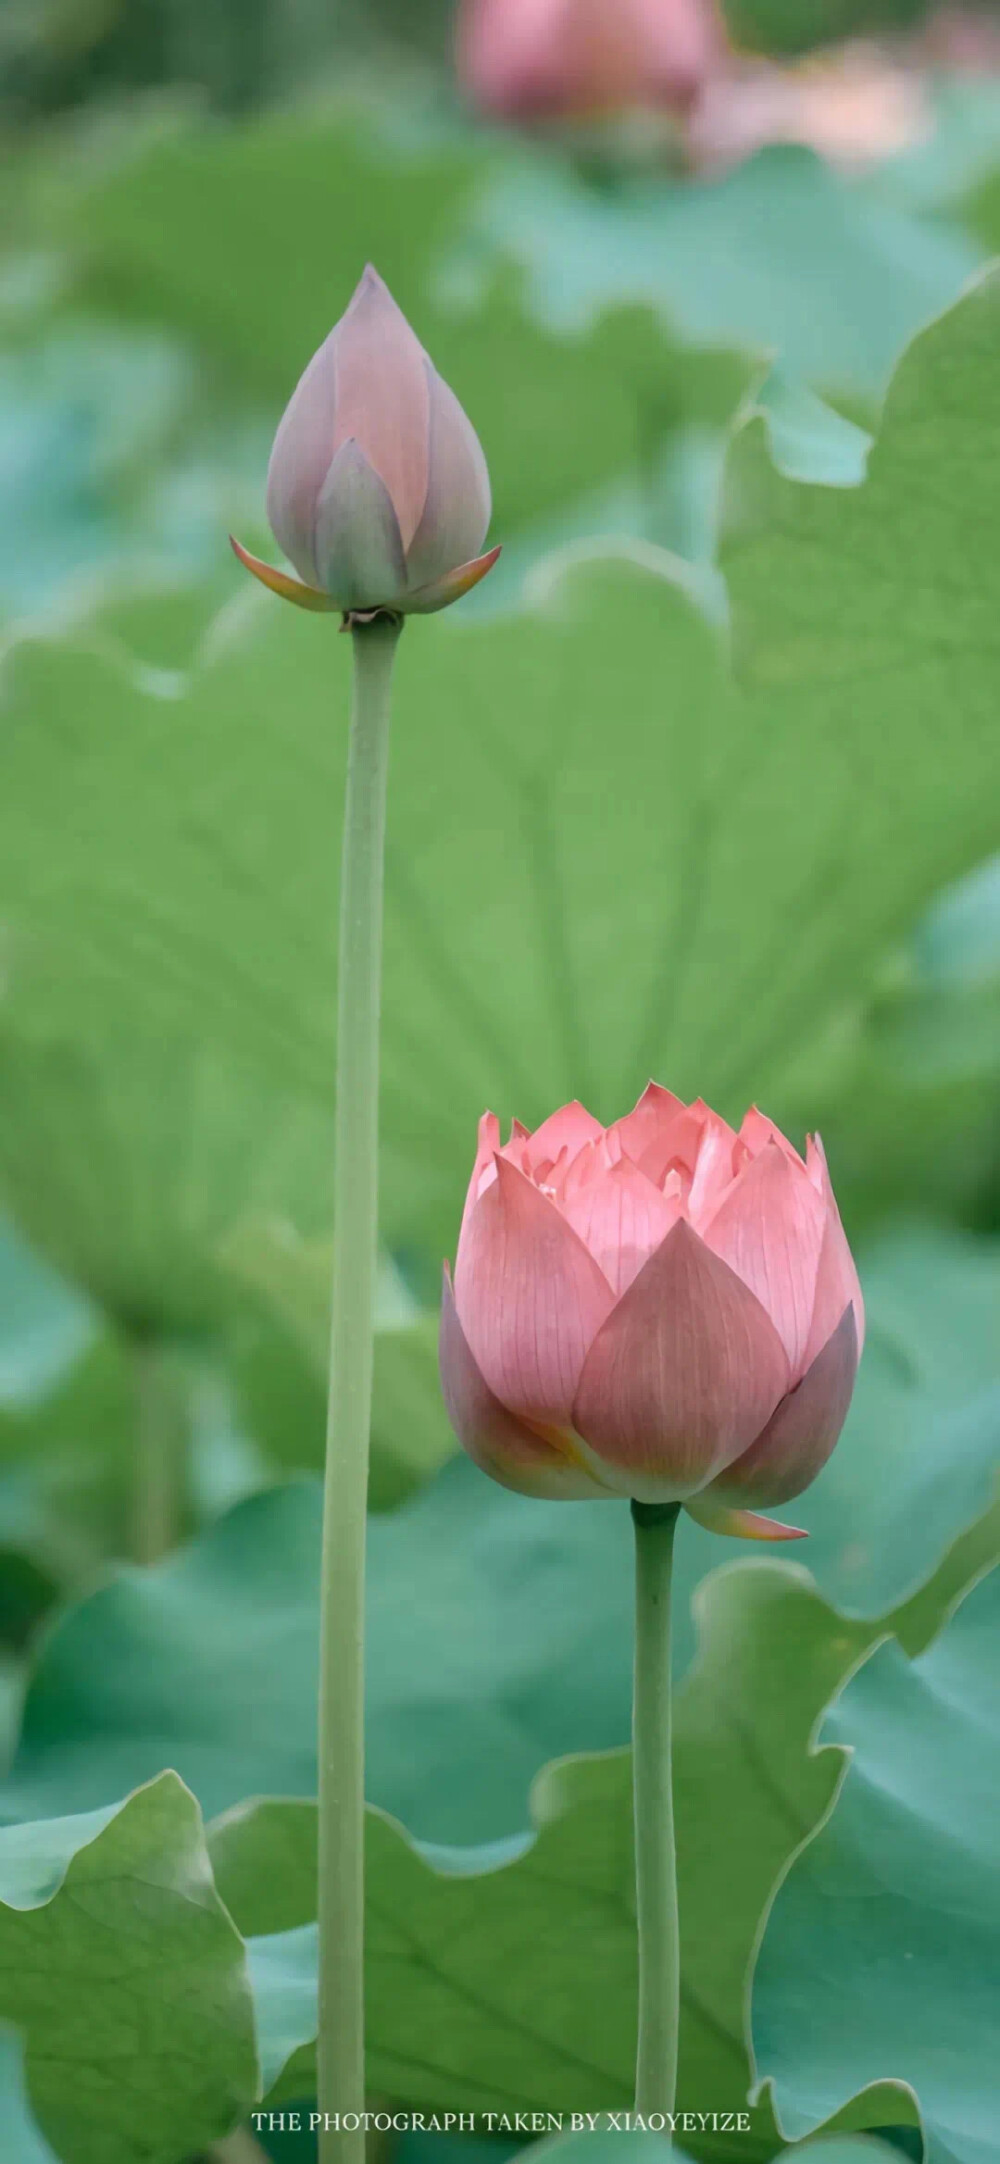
<point>908,1095</point>
<point>782,253</point>
<point>235,1413</point>
<point>510,1978</point>
<point>961,153</point>
<point>263,231</point>
<point>126,1158</point>
<point>499,1630</point>
<point>117,1956</point>
<point>410,1433</point>
<point>20,2140</point>
<point>536,950</point>
<point>901,1891</point>
<point>613,2144</point>
<point>131,1162</point>
<point>44,1326</point>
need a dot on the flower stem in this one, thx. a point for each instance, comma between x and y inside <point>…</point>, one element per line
<point>341,1711</point>
<point>655,1848</point>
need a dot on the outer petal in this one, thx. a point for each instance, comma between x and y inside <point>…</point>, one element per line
<point>683,1375</point>
<point>769,1228</point>
<point>279,582</point>
<point>837,1279</point>
<point>359,553</point>
<point>801,1434</point>
<point>383,397</point>
<point>486,1150</point>
<point>301,457</point>
<point>530,1299</point>
<point>620,1217</point>
<point>456,513</point>
<point>739,1524</point>
<point>427,600</point>
<point>504,1447</point>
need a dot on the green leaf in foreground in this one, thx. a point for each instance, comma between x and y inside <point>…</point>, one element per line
<point>508,1980</point>
<point>606,2145</point>
<point>123,1970</point>
<point>20,2140</point>
<point>901,1890</point>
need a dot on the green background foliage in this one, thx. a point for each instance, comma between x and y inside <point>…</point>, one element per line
<point>701,783</point>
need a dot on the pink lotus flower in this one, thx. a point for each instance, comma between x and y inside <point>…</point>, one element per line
<point>566,59</point>
<point>662,1309</point>
<point>377,488</point>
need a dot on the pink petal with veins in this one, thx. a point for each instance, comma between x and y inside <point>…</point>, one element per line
<point>769,1228</point>
<point>529,1297</point>
<point>487,1146</point>
<point>837,1279</point>
<point>644,1127</point>
<point>802,1431</point>
<point>757,1131</point>
<point>682,1376</point>
<point>512,1453</point>
<point>568,1129</point>
<point>620,1216</point>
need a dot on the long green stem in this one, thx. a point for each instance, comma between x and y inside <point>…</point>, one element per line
<point>341,1712</point>
<point>655,1847</point>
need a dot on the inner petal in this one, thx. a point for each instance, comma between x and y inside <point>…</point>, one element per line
<point>756,1130</point>
<point>720,1158</point>
<point>619,1215</point>
<point>643,1127</point>
<point>567,1130</point>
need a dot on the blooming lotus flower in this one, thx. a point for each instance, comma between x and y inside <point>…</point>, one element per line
<point>377,487</point>
<point>663,1309</point>
<point>569,59</point>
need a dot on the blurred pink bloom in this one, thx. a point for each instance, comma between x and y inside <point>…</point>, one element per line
<point>377,488</point>
<point>571,59</point>
<point>662,1309</point>
<point>852,105</point>
<point>966,39</point>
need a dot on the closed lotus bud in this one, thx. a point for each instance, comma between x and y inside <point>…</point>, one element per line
<point>573,59</point>
<point>662,1309</point>
<point>377,488</point>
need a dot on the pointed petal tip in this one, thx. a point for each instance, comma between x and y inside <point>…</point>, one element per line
<point>282,583</point>
<point>427,600</point>
<point>740,1524</point>
<point>371,286</point>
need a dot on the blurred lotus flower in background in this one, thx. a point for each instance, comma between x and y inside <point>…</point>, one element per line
<point>853,105</point>
<point>966,39</point>
<point>662,1309</point>
<point>538,60</point>
<point>377,489</point>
